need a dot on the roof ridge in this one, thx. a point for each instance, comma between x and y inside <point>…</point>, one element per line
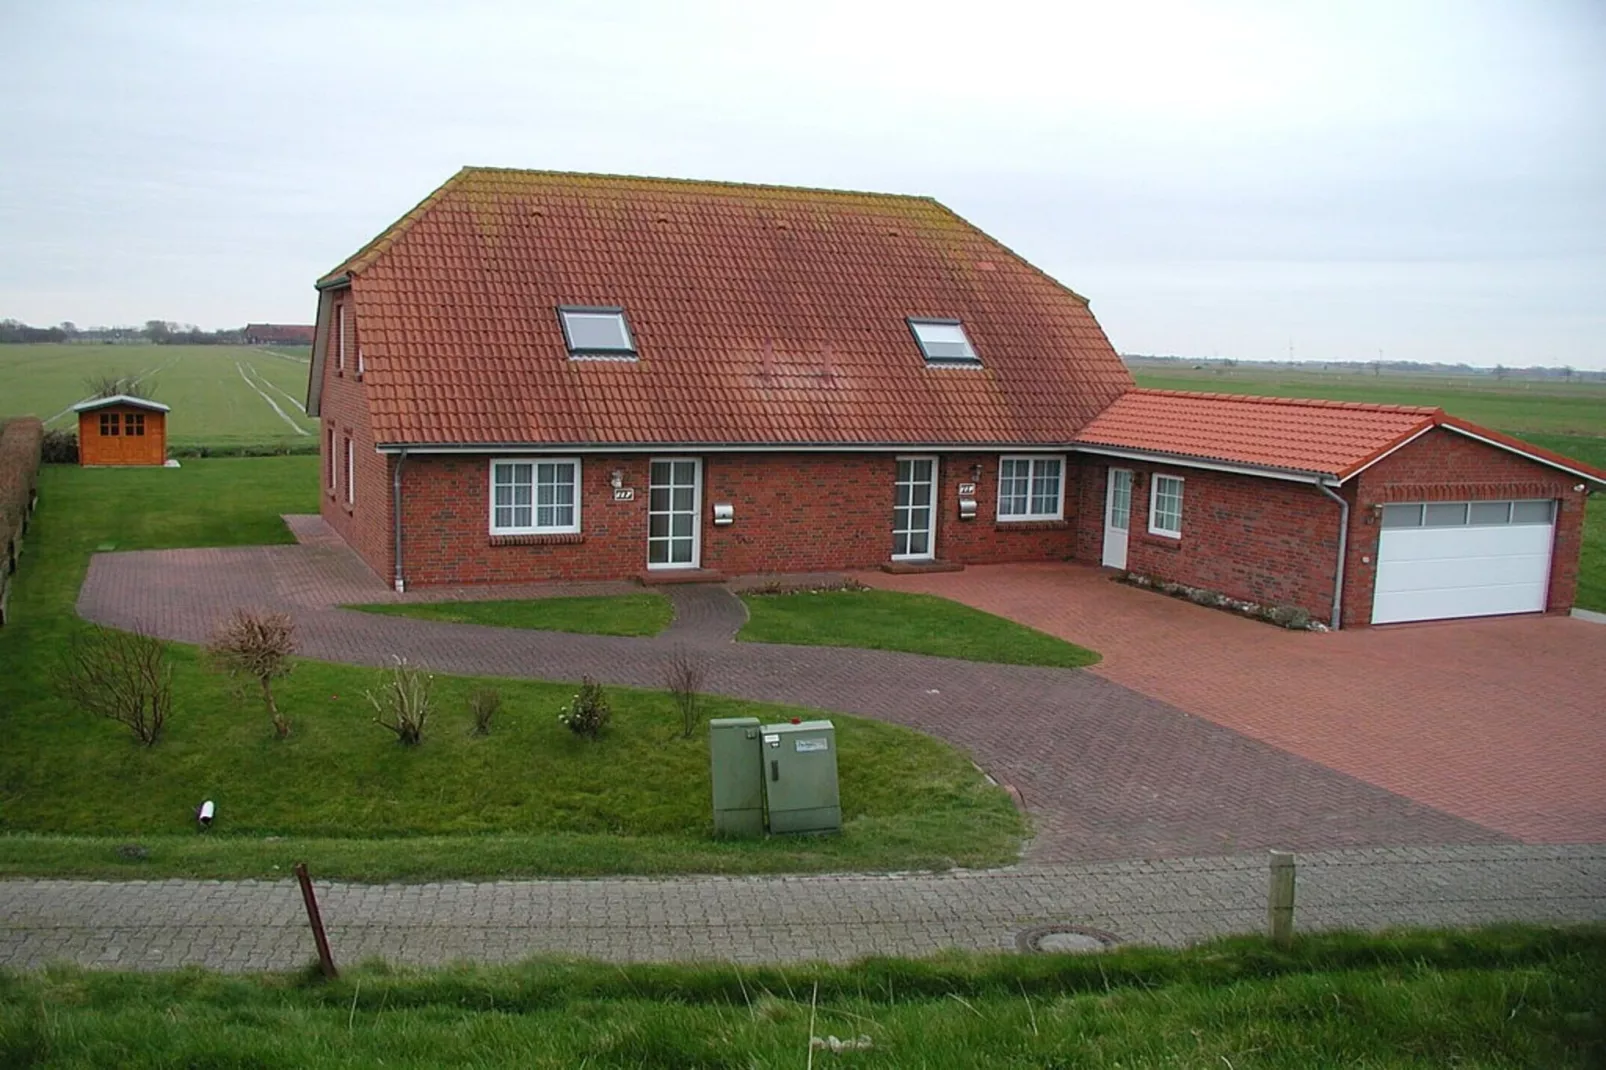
<point>1312,403</point>
<point>705,182</point>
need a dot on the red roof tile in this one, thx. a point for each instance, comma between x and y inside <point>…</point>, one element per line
<point>1332,438</point>
<point>763,315</point>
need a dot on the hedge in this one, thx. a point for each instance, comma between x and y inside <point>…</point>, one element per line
<point>19,486</point>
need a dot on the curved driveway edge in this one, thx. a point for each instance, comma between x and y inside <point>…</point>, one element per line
<point>250,925</point>
<point>1105,772</point>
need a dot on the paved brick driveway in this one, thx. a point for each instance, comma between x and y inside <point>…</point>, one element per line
<point>1106,772</point>
<point>1501,722</point>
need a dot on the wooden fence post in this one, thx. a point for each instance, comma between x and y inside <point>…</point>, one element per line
<point>326,961</point>
<point>1280,899</point>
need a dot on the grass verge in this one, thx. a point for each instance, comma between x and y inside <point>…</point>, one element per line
<point>1501,997</point>
<point>624,614</point>
<point>911,623</point>
<point>529,798</point>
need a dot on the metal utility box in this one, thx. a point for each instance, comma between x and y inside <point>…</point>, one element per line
<point>736,765</point>
<point>800,777</point>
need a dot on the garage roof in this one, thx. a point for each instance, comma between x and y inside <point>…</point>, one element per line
<point>1288,436</point>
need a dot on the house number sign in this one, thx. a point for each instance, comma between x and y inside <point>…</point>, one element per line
<point>967,489</point>
<point>624,494</point>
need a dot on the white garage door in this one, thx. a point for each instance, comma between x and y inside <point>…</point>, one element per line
<point>1462,559</point>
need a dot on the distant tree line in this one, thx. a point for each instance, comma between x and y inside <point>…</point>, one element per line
<point>162,332</point>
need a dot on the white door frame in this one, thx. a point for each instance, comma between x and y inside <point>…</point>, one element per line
<point>1116,538</point>
<point>931,510</point>
<point>696,513</point>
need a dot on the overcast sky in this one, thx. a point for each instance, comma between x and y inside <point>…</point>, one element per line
<point>1427,180</point>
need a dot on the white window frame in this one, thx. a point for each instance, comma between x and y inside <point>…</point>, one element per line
<point>533,460</point>
<point>1032,460</point>
<point>1154,497</point>
<point>360,366</point>
<point>627,351</point>
<point>351,472</point>
<point>332,463</point>
<point>340,337</point>
<point>970,359</point>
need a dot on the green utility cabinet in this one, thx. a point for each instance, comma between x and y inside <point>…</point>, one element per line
<point>799,770</point>
<point>734,754</point>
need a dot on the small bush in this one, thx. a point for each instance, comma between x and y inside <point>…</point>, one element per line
<point>1288,616</point>
<point>403,701</point>
<point>123,676</point>
<point>684,677</point>
<point>59,446</point>
<point>257,645</point>
<point>588,713</point>
<point>483,704</point>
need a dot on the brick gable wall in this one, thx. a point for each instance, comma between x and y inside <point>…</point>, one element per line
<point>366,524</point>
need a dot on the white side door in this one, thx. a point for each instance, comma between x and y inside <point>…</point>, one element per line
<point>914,510</point>
<point>1117,517</point>
<point>674,513</point>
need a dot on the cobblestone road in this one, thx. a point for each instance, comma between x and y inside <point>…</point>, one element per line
<point>253,925</point>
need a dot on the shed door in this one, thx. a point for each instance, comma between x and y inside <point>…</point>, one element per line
<point>1437,560</point>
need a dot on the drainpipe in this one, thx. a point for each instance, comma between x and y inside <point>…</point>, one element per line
<point>1343,552</point>
<point>396,517</point>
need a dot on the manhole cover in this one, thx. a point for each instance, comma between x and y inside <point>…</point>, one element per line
<point>1065,940</point>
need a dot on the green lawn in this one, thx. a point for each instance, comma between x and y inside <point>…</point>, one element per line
<point>219,394</point>
<point>1510,997</point>
<point>530,798</point>
<point>625,614</point>
<point>912,623</point>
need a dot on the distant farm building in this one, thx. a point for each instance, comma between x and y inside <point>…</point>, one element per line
<point>121,430</point>
<point>281,334</point>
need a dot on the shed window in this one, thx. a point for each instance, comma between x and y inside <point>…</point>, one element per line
<point>943,342</point>
<point>133,423</point>
<point>1031,488</point>
<point>535,497</point>
<point>597,332</point>
<point>110,424</point>
<point>1165,506</point>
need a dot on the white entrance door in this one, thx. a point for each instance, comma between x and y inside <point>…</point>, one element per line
<point>1463,559</point>
<point>674,513</point>
<point>914,511</point>
<point>1117,517</point>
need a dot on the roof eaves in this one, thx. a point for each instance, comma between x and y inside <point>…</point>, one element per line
<point>364,257</point>
<point>1203,460</point>
<point>1526,449</point>
<point>120,399</point>
<point>1367,460</point>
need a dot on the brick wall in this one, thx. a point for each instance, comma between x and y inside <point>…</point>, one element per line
<point>365,523</point>
<point>1446,466</point>
<point>793,513</point>
<point>1267,540</point>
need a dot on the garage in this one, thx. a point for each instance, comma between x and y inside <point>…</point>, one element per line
<point>1437,560</point>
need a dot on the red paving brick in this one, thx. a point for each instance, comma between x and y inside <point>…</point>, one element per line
<point>1501,721</point>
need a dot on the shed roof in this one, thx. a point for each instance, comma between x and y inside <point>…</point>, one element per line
<point>120,399</point>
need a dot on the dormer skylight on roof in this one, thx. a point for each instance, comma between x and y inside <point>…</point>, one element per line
<point>597,333</point>
<point>943,342</point>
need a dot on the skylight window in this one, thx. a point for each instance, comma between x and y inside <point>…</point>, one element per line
<point>943,342</point>
<point>597,332</point>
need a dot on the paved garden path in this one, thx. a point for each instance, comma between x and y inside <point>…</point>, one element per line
<point>1105,772</point>
<point>250,925</point>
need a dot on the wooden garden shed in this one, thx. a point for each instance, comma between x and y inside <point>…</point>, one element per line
<point>122,430</point>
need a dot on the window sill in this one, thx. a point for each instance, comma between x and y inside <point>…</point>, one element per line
<point>1031,525</point>
<point>538,540</point>
<point>1163,542</point>
<point>349,507</point>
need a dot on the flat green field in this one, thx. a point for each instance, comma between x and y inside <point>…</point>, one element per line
<point>221,396</point>
<point>1514,405</point>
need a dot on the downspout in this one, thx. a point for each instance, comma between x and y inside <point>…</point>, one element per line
<point>396,517</point>
<point>1343,553</point>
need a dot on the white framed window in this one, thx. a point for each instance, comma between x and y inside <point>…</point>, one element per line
<point>1468,514</point>
<point>351,473</point>
<point>597,333</point>
<point>1165,506</point>
<point>943,342</point>
<point>1031,488</point>
<point>340,338</point>
<point>331,463</point>
<point>360,366</point>
<point>535,496</point>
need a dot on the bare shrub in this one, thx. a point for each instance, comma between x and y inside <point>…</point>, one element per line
<point>123,676</point>
<point>588,714</point>
<point>107,385</point>
<point>258,646</point>
<point>684,676</point>
<point>483,703</point>
<point>403,700</point>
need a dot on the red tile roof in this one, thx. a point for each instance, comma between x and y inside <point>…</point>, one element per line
<point>1332,438</point>
<point>763,315</point>
<point>282,333</point>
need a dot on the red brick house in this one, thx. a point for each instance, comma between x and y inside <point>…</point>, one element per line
<point>540,376</point>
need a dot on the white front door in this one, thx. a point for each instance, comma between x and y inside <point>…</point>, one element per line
<point>674,513</point>
<point>914,511</point>
<point>1117,517</point>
